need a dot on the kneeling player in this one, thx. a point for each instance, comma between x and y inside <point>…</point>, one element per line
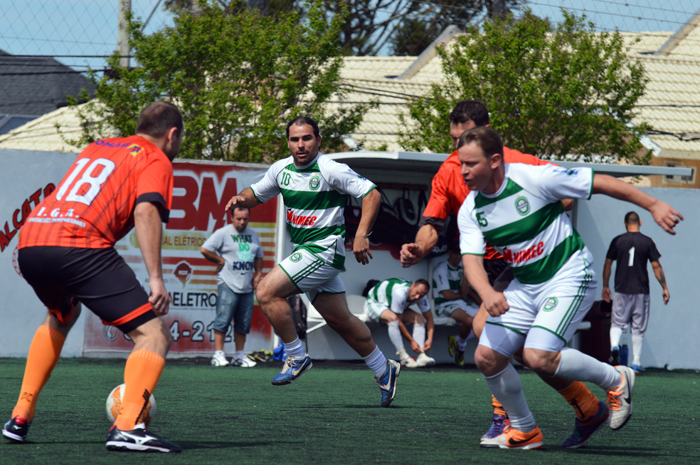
<point>388,302</point>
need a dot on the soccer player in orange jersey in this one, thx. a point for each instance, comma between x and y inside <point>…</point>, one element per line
<point>447,195</point>
<point>66,254</point>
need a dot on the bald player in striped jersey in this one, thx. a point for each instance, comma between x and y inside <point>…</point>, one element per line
<point>314,188</point>
<point>517,209</point>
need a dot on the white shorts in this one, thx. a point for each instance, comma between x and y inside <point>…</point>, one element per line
<point>446,308</point>
<point>311,274</point>
<point>633,308</point>
<point>545,316</point>
<point>374,310</point>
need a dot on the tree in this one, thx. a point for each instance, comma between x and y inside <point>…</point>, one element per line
<point>415,32</point>
<point>237,79</point>
<point>571,91</point>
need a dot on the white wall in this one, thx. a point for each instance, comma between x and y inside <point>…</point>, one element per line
<point>672,336</point>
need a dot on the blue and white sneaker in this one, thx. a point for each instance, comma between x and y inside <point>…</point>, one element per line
<point>637,368</point>
<point>583,430</point>
<point>292,369</point>
<point>498,427</point>
<point>387,382</point>
<point>16,429</point>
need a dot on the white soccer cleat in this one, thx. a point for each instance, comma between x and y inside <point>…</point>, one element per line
<point>424,361</point>
<point>620,399</point>
<point>219,359</point>
<point>244,362</point>
<point>405,359</point>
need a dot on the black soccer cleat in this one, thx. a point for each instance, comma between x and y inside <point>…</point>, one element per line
<point>16,429</point>
<point>138,440</point>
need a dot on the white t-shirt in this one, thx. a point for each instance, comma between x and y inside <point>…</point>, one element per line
<point>314,199</point>
<point>525,220</point>
<point>393,294</point>
<point>239,251</point>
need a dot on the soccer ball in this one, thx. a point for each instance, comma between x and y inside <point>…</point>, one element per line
<point>114,403</point>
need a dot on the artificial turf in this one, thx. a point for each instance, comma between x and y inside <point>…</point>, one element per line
<point>332,415</point>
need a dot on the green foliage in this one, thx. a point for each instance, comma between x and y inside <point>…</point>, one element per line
<point>238,79</point>
<point>552,94</point>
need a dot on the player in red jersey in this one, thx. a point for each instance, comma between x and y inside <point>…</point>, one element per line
<point>66,254</point>
<point>448,193</point>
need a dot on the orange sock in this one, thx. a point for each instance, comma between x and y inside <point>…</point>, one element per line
<point>43,357</point>
<point>497,407</point>
<point>143,369</point>
<point>581,399</point>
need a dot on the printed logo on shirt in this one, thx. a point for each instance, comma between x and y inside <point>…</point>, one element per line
<point>550,304</point>
<point>314,182</point>
<point>522,205</point>
<point>296,256</point>
<point>134,149</point>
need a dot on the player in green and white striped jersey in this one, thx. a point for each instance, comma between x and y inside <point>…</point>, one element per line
<point>389,301</point>
<point>454,298</point>
<point>314,188</point>
<point>516,209</point>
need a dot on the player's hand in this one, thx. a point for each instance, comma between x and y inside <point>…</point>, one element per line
<point>159,297</point>
<point>235,200</point>
<point>495,304</point>
<point>416,347</point>
<point>428,344</point>
<point>220,267</point>
<point>360,247</point>
<point>410,254</point>
<point>665,216</point>
<point>606,294</point>
<point>666,295</point>
<point>256,281</point>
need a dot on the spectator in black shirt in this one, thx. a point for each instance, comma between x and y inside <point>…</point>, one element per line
<point>631,302</point>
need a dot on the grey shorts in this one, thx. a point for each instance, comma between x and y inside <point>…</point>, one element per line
<point>632,308</point>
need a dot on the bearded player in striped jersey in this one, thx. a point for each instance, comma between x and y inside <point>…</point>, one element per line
<point>314,188</point>
<point>517,209</point>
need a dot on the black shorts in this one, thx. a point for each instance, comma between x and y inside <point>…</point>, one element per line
<point>499,273</point>
<point>98,278</point>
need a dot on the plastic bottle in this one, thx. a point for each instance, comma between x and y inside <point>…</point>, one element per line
<point>624,355</point>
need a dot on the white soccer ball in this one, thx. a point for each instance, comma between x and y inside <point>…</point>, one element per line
<point>114,403</point>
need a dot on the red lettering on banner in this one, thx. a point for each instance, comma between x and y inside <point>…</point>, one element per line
<point>300,220</point>
<point>184,203</point>
<point>6,235</point>
<point>212,205</point>
<point>523,255</point>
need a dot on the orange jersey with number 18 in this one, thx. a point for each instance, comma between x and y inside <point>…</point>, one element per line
<point>93,206</point>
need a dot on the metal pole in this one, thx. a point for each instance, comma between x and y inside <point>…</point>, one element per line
<point>122,34</point>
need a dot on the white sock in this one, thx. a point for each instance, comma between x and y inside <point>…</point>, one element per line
<point>395,335</point>
<point>376,361</point>
<point>461,343</point>
<point>637,341</point>
<point>295,349</point>
<point>419,334</point>
<point>578,366</point>
<point>240,354</point>
<point>615,335</point>
<point>220,352</point>
<point>506,387</point>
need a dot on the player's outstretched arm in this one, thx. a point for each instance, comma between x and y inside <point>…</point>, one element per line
<point>426,238</point>
<point>664,215</point>
<point>149,232</point>
<point>370,208</point>
<point>494,302</point>
<point>245,198</point>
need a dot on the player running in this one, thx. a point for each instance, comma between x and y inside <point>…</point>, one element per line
<point>66,253</point>
<point>517,209</point>
<point>314,188</point>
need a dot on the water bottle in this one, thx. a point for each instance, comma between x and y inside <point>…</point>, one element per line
<point>624,354</point>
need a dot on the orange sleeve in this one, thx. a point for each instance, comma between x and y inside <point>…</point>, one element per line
<point>439,202</point>
<point>155,184</point>
<point>513,156</point>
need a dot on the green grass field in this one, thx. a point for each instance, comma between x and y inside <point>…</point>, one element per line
<point>332,415</point>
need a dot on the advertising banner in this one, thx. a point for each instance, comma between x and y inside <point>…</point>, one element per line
<point>200,194</point>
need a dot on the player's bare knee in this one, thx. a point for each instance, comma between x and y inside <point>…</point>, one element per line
<point>484,359</point>
<point>541,362</point>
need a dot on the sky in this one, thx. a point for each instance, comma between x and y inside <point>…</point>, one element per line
<point>89,27</point>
